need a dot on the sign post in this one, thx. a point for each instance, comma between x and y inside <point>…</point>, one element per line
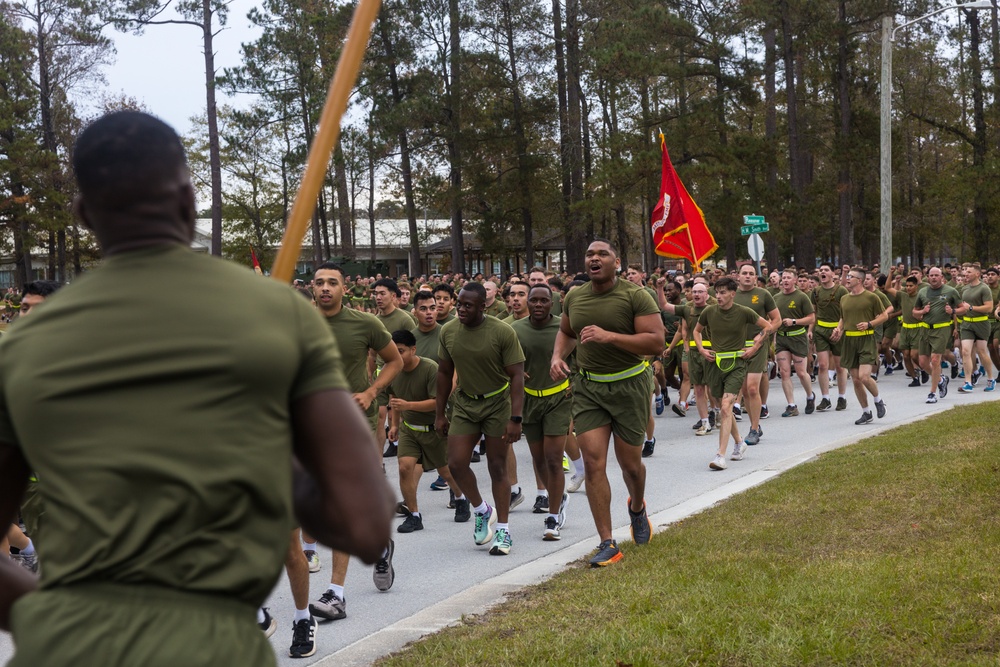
<point>754,226</point>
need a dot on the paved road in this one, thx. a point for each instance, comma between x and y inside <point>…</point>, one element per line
<point>441,574</point>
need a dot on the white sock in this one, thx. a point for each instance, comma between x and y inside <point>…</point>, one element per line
<point>577,465</point>
<point>840,396</point>
<point>543,492</point>
<point>514,488</point>
<point>736,406</point>
<point>482,509</point>
<point>461,497</point>
<point>416,514</point>
<point>336,590</point>
<point>29,550</point>
<point>826,397</point>
<point>878,399</point>
<point>503,526</point>
<point>704,422</point>
<point>554,516</point>
<point>308,546</point>
<point>260,615</point>
<point>302,615</point>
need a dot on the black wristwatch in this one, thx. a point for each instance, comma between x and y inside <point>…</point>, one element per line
<point>517,420</point>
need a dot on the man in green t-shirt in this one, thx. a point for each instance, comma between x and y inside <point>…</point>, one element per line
<point>992,279</point>
<point>975,328</point>
<point>547,408</point>
<point>412,399</point>
<point>861,313</point>
<point>727,322</point>
<point>358,335</point>
<point>518,302</point>
<point>386,293</point>
<point>444,295</point>
<point>635,275</point>
<point>757,382</point>
<point>169,432</point>
<point>910,331</point>
<point>613,325</point>
<point>791,344</point>
<point>935,308</point>
<point>488,401</point>
<point>826,302</point>
<point>427,331</point>
<point>693,366</point>
<point>494,306</point>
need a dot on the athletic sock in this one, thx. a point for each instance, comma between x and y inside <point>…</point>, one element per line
<point>302,615</point>
<point>878,399</point>
<point>481,509</point>
<point>515,488</point>
<point>503,526</point>
<point>336,590</point>
<point>543,492</point>
<point>577,465</point>
<point>29,550</point>
<point>461,497</point>
<point>308,546</point>
<point>416,514</point>
<point>260,615</point>
<point>553,516</point>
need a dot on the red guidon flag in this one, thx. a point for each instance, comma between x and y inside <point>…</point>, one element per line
<point>256,264</point>
<point>679,228</point>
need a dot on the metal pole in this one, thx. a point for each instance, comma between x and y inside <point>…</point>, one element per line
<point>885,124</point>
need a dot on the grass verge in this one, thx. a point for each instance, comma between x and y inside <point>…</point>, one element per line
<point>886,552</point>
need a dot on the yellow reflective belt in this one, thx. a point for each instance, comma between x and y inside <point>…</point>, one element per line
<point>539,393</point>
<point>868,332</point>
<point>418,428</point>
<point>748,343</point>
<point>828,325</point>
<point>480,397</point>
<point>912,326</point>
<point>939,325</point>
<point>793,332</point>
<point>704,343</point>
<point>615,377</point>
<point>719,356</point>
<point>975,319</point>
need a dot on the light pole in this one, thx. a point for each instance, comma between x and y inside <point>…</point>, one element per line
<point>885,124</point>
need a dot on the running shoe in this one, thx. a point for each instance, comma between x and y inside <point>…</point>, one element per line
<point>439,484</point>
<point>764,414</point>
<point>931,398</point>
<point>915,382</point>
<point>501,543</point>
<point>303,638</point>
<point>659,405</point>
<point>880,409</point>
<point>990,385</point>
<point>551,533</point>
<point>679,410</point>
<point>483,531</point>
<point>28,561</point>
<point>462,511</point>
<point>411,524</point>
<point>516,498</point>
<point>641,526</point>
<point>866,418</point>
<point>330,606</point>
<point>383,575</point>
<point>704,429</point>
<point>648,447</point>
<point>811,404</point>
<point>476,458</point>
<point>753,437</point>
<point>565,463</point>
<point>791,411</point>
<point>390,452</point>
<point>561,515</point>
<point>451,499</point>
<point>541,505</point>
<point>574,483</point>
<point>841,403</point>
<point>824,405</point>
<point>607,553</point>
<point>975,378</point>
<point>718,463</point>
<point>313,559</point>
<point>966,388</point>
<point>697,423</point>
<point>713,417</point>
<point>943,387</point>
<point>268,625</point>
<point>737,413</point>
<point>924,377</point>
<point>402,509</point>
<point>739,449</point>
<point>954,371</point>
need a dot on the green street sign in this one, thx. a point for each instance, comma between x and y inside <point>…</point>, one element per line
<point>753,224</point>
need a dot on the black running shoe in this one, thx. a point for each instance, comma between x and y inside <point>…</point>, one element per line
<point>648,447</point>
<point>541,505</point>
<point>880,409</point>
<point>915,382</point>
<point>390,452</point>
<point>462,510</point>
<point>410,524</point>
<point>303,638</point>
<point>841,403</point>
<point>642,528</point>
<point>607,553</point>
<point>866,418</point>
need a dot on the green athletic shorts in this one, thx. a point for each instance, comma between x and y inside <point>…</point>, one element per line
<point>95,625</point>
<point>728,381</point>
<point>935,341</point>
<point>547,415</point>
<point>428,448</point>
<point>858,350</point>
<point>891,328</point>
<point>797,345</point>
<point>995,331</point>
<point>698,367</point>
<point>488,416</point>
<point>975,330</point>
<point>624,405</point>
<point>758,362</point>
<point>821,337</point>
<point>909,338</point>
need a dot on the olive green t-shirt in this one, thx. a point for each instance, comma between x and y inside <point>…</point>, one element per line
<point>795,305</point>
<point>537,344</point>
<point>480,354</point>
<point>497,310</point>
<point>760,301</point>
<point>938,299</point>
<point>884,298</point>
<point>615,311</point>
<point>417,385</point>
<point>447,318</point>
<point>995,293</point>
<point>906,304</point>
<point>356,333</point>
<point>857,308</point>
<point>557,300</point>
<point>510,319</point>
<point>826,300</point>
<point>690,313</point>
<point>977,296</point>
<point>397,320</point>
<point>427,343</point>
<point>159,424</point>
<point>728,327</point>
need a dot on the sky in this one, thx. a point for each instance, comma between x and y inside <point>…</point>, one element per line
<point>164,68</point>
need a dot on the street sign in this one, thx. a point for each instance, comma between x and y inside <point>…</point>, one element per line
<point>755,246</point>
<point>753,224</point>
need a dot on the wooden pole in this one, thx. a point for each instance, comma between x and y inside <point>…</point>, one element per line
<point>326,138</point>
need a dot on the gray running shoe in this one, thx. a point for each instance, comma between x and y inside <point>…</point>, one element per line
<point>330,606</point>
<point>384,574</point>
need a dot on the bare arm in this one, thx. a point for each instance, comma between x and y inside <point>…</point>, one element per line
<point>446,371</point>
<point>516,374</point>
<point>341,495</point>
<point>565,344</point>
<point>15,581</point>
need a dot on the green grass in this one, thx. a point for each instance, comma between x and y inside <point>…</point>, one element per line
<point>886,552</point>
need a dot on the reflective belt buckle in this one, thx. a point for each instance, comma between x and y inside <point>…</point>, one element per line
<point>418,428</point>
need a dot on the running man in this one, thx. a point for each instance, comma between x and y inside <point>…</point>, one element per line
<point>862,312</point>
<point>614,325</point>
<point>975,328</point>
<point>488,402</point>
<point>826,301</point>
<point>935,308</point>
<point>792,345</point>
<point>760,301</point>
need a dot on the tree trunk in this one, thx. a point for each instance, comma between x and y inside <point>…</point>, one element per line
<point>844,185</point>
<point>344,213</point>
<point>795,174</point>
<point>520,140</point>
<point>980,211</point>
<point>454,139</point>
<point>576,236</point>
<point>564,136</point>
<point>771,129</point>
<point>214,159</point>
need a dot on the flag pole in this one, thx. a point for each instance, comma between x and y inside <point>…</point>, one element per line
<point>326,138</point>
